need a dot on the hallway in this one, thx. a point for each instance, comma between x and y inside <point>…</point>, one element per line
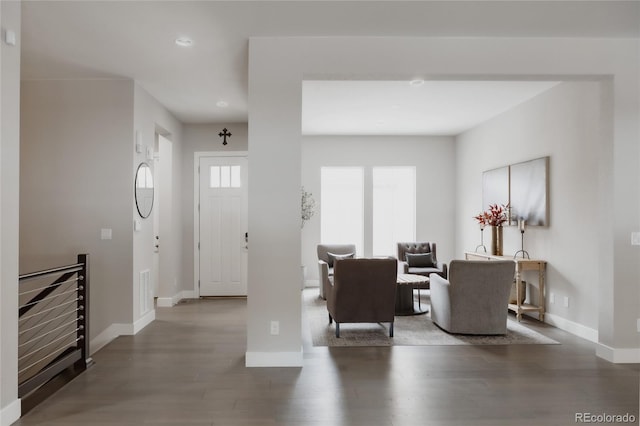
<point>187,368</point>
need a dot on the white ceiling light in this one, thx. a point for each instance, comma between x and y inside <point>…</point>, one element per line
<point>184,41</point>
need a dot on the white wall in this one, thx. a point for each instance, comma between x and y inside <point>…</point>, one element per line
<point>150,117</point>
<point>434,160</point>
<point>565,124</point>
<point>76,178</point>
<point>274,135</point>
<point>9,177</point>
<point>201,138</point>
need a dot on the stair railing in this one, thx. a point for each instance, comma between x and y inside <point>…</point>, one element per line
<point>53,324</point>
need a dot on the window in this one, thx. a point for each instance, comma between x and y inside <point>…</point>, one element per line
<point>373,206</point>
<point>394,208</point>
<point>341,206</point>
<point>224,177</point>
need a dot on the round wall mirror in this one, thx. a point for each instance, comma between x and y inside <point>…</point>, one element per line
<point>144,190</point>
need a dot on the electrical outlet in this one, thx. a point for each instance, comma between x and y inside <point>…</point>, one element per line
<point>275,328</point>
<point>106,234</point>
<point>566,301</point>
<point>552,298</point>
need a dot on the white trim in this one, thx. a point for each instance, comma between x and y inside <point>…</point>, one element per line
<point>312,283</point>
<point>10,413</point>
<point>188,294</point>
<point>571,327</point>
<point>273,359</point>
<point>618,356</point>
<point>146,319</point>
<point>168,302</point>
<point>119,329</point>
<point>104,338</point>
<point>196,216</point>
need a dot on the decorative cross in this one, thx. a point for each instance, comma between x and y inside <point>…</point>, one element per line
<point>224,134</point>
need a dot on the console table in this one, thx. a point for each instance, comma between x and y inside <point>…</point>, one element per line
<point>521,265</point>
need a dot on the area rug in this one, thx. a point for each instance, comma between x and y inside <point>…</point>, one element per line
<point>417,330</point>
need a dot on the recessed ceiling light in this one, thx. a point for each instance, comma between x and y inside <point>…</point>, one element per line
<point>184,41</point>
<point>416,82</point>
<point>222,104</point>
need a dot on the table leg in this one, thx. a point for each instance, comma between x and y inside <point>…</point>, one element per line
<point>541,293</point>
<point>518,300</point>
<point>404,301</point>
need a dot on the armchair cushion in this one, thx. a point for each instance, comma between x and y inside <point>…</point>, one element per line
<point>421,260</point>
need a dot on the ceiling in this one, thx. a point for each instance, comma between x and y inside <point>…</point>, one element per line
<point>136,40</point>
<point>409,108</point>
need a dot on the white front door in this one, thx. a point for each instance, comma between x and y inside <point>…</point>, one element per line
<point>223,226</point>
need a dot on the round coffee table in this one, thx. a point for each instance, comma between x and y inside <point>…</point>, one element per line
<point>404,294</point>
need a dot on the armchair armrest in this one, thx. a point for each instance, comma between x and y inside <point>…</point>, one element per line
<point>440,299</point>
<point>323,276</point>
<point>443,267</point>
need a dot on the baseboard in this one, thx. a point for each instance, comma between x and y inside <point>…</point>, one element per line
<point>312,283</point>
<point>167,302</point>
<point>618,356</point>
<point>115,330</point>
<point>10,413</point>
<point>110,333</point>
<point>574,328</point>
<point>144,321</point>
<point>187,294</point>
<point>273,359</point>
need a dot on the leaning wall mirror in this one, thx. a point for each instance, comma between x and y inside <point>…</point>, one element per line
<point>144,190</point>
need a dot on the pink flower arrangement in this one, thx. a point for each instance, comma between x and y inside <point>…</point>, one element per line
<point>495,216</point>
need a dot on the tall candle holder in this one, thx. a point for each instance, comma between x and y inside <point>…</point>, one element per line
<point>522,225</point>
<point>482,246</point>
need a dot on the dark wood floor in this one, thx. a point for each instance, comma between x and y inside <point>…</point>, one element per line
<point>187,368</point>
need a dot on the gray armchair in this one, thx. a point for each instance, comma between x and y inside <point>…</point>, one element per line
<point>475,298</point>
<point>326,256</point>
<point>363,290</point>
<point>425,263</point>
<point>419,258</point>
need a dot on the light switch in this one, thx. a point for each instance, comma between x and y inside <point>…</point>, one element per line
<point>105,234</point>
<point>635,238</point>
<point>137,225</point>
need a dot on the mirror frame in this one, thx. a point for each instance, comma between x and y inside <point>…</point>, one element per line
<point>137,191</point>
